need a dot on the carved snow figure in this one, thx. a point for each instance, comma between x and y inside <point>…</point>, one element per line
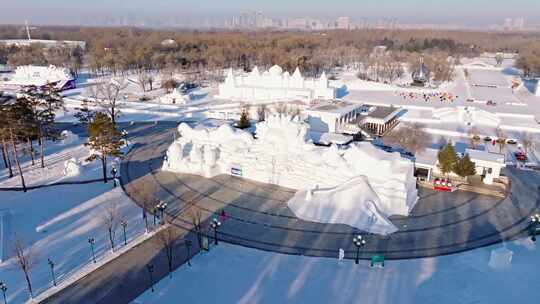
<point>349,189</point>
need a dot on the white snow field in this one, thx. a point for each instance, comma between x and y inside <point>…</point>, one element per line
<point>56,222</point>
<point>232,274</point>
<point>284,155</point>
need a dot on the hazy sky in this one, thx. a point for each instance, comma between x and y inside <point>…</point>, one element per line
<point>470,12</point>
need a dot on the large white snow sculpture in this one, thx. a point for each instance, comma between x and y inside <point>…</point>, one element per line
<point>283,155</point>
<point>275,84</point>
<point>341,205</point>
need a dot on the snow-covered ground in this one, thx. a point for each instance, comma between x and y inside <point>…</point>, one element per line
<point>232,274</point>
<point>56,222</point>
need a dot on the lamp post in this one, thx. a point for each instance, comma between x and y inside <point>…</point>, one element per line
<point>150,268</point>
<point>92,241</point>
<point>114,171</point>
<point>535,222</point>
<point>215,225</point>
<point>124,225</point>
<point>358,241</point>
<point>188,247</point>
<point>51,264</point>
<point>161,208</point>
<point>3,287</point>
<point>155,211</point>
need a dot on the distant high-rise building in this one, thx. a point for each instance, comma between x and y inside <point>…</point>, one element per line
<point>343,23</point>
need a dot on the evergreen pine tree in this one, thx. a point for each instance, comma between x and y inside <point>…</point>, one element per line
<point>104,139</point>
<point>447,158</point>
<point>465,167</point>
<point>244,120</point>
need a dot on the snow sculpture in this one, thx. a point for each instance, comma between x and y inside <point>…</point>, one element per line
<point>68,137</point>
<point>347,187</point>
<point>72,168</point>
<point>500,258</point>
<point>275,84</point>
<point>175,97</point>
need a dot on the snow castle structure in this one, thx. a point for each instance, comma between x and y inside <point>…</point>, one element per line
<point>40,76</point>
<point>339,181</point>
<point>275,85</point>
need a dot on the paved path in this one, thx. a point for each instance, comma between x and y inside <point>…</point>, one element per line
<point>258,216</point>
<point>123,279</point>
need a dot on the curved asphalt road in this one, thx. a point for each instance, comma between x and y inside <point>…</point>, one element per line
<point>258,216</point>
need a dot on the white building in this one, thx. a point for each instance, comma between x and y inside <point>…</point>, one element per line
<point>40,76</point>
<point>333,117</point>
<point>274,85</point>
<point>488,165</point>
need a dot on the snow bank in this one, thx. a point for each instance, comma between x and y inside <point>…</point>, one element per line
<point>284,155</point>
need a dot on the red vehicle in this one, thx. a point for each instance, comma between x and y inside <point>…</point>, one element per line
<point>520,156</point>
<point>443,185</point>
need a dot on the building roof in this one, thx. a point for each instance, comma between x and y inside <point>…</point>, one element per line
<point>381,115</point>
<point>486,156</point>
<point>338,107</point>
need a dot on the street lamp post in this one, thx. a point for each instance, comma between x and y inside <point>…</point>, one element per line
<point>535,223</point>
<point>92,241</point>
<point>51,264</point>
<point>114,171</point>
<point>188,247</point>
<point>155,211</point>
<point>3,287</point>
<point>124,225</point>
<point>358,241</point>
<point>161,208</point>
<point>215,225</point>
<point>150,268</point>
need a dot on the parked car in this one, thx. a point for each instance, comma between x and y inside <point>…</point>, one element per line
<point>520,155</point>
<point>511,141</point>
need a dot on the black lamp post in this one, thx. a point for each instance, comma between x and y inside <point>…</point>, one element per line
<point>535,222</point>
<point>113,173</point>
<point>3,287</point>
<point>161,208</point>
<point>155,211</point>
<point>215,225</point>
<point>124,225</point>
<point>92,241</point>
<point>358,241</point>
<point>188,247</point>
<point>150,268</point>
<point>51,264</point>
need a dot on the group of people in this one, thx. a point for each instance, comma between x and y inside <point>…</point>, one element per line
<point>427,97</point>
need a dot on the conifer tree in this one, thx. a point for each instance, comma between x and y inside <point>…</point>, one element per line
<point>447,158</point>
<point>465,167</point>
<point>104,139</point>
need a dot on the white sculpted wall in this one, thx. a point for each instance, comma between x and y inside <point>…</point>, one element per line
<point>282,154</point>
<point>274,85</point>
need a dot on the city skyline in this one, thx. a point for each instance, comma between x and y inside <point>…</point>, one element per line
<point>210,14</point>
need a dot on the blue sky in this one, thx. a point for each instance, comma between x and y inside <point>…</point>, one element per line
<point>423,11</point>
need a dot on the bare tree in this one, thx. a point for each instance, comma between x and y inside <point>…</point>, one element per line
<point>261,112</point>
<point>26,260</point>
<point>410,137</point>
<point>167,240</point>
<point>109,93</point>
<point>474,138</point>
<point>142,79</point>
<point>111,219</point>
<point>196,220</point>
<point>526,140</point>
<point>501,139</point>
